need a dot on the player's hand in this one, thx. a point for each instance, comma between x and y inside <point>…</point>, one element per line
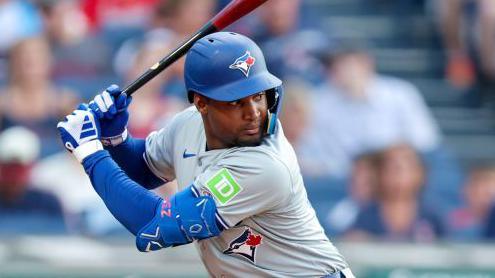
<point>80,132</point>
<point>110,108</point>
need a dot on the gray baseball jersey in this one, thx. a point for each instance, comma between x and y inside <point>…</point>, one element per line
<point>271,228</point>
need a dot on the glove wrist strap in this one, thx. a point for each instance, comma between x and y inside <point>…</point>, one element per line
<point>115,140</point>
<point>87,149</point>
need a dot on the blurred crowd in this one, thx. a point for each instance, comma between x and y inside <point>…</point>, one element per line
<point>370,150</point>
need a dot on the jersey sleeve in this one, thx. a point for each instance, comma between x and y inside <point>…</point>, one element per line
<point>244,185</point>
<point>159,153</point>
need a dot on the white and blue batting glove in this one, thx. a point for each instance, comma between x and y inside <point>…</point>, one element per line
<point>80,132</point>
<point>110,108</point>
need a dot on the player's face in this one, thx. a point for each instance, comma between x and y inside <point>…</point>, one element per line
<point>237,123</point>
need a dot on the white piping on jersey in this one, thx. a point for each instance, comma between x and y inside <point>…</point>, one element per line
<point>217,215</point>
<point>221,221</point>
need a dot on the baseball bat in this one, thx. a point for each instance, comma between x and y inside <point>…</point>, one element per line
<point>231,13</point>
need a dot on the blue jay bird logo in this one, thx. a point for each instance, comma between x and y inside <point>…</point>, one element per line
<point>245,245</point>
<point>244,63</point>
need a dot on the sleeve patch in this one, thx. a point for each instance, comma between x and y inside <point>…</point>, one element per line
<point>223,186</point>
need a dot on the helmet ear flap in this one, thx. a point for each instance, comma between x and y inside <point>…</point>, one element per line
<point>272,98</point>
<point>190,96</point>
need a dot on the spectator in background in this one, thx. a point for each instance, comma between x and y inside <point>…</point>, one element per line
<point>171,18</point>
<point>468,28</point>
<point>289,46</point>
<point>468,222</point>
<point>118,14</point>
<point>176,15</point>
<point>24,209</point>
<point>359,111</point>
<point>489,232</point>
<point>279,18</point>
<point>459,69</point>
<point>363,183</point>
<point>116,21</point>
<point>397,213</point>
<point>18,20</point>
<point>77,52</point>
<point>152,108</point>
<point>295,109</point>
<point>84,212</point>
<point>294,115</point>
<point>30,93</point>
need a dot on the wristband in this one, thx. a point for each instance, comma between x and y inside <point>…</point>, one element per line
<point>115,140</point>
<point>87,149</point>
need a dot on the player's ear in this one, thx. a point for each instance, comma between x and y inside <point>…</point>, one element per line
<point>201,103</point>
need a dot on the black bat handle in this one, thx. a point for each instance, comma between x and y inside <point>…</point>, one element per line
<point>154,70</point>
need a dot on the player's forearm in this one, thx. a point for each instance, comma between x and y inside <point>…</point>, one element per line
<point>130,203</point>
<point>129,156</point>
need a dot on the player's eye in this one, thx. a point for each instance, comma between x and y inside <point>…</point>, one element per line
<point>259,96</point>
<point>234,103</point>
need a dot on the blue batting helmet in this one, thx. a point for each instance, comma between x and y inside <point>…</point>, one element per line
<point>226,66</point>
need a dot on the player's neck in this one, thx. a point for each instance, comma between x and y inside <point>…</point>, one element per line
<point>213,143</point>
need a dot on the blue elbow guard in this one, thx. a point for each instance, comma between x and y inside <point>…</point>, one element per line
<point>183,218</point>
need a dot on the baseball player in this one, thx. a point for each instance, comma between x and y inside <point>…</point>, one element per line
<point>241,196</point>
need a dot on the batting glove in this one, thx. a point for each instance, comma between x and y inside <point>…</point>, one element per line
<point>110,108</point>
<point>80,132</point>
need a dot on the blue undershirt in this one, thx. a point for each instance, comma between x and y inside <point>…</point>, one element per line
<point>132,205</point>
<point>129,155</point>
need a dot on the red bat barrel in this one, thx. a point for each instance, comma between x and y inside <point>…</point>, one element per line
<point>235,10</point>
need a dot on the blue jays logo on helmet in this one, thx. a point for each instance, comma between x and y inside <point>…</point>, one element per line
<point>245,245</point>
<point>244,63</point>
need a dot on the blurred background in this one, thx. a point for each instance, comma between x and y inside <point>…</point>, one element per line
<point>389,105</point>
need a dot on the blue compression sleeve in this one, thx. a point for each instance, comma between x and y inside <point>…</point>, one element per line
<point>129,156</point>
<point>129,202</point>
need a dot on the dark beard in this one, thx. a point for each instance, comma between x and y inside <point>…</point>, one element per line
<point>255,141</point>
<point>251,143</point>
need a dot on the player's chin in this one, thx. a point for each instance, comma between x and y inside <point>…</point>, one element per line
<point>249,140</point>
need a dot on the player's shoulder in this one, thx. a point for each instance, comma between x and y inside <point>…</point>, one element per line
<point>188,118</point>
<point>256,172</point>
<point>259,162</point>
<point>175,129</point>
<point>188,114</point>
